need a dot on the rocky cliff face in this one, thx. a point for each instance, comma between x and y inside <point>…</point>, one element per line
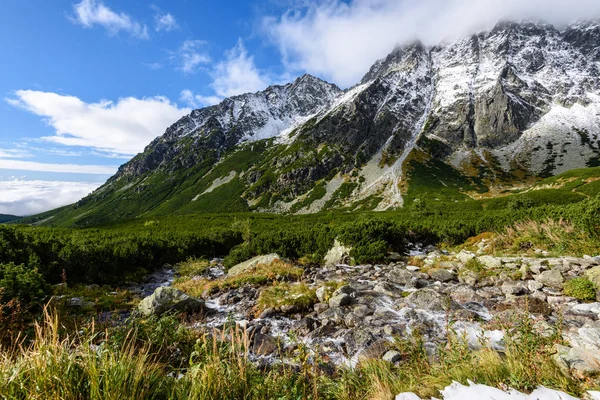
<point>490,111</point>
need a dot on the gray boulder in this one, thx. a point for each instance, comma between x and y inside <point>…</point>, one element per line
<point>551,278</point>
<point>166,298</point>
<point>427,299</point>
<point>442,275</point>
<point>340,300</point>
<point>252,263</point>
<point>338,254</point>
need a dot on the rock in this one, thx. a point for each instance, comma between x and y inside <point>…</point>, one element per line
<point>512,288</point>
<point>465,256</point>
<point>427,299</point>
<point>352,320</point>
<point>593,274</point>
<point>362,311</point>
<point>263,345</point>
<point>587,309</point>
<point>167,298</point>
<point>464,294</point>
<point>335,315</point>
<point>338,254</point>
<point>490,261</point>
<point>305,326</point>
<point>340,300</point>
<point>393,256</point>
<point>321,307</point>
<point>323,293</point>
<point>253,262</point>
<point>442,275</point>
<point>386,288</point>
<point>375,350</point>
<point>346,289</point>
<point>268,312</point>
<point>580,360</point>
<point>534,285</point>
<point>289,309</point>
<point>357,339</point>
<point>412,268</point>
<point>538,266</point>
<point>78,302</point>
<point>400,276</point>
<point>551,278</point>
<point>392,356</point>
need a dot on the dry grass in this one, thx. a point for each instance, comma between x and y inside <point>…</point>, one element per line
<point>259,275</point>
<point>298,295</point>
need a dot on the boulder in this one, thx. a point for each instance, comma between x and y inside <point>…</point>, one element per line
<point>338,254</point>
<point>78,302</point>
<point>340,300</point>
<point>578,359</point>
<point>551,278</point>
<point>593,274</point>
<point>490,261</point>
<point>167,298</point>
<point>263,345</point>
<point>392,356</point>
<point>512,288</point>
<point>400,276</point>
<point>427,299</point>
<point>442,275</point>
<point>253,262</point>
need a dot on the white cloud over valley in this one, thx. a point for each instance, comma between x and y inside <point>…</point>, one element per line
<point>124,127</point>
<point>341,40</point>
<point>22,197</point>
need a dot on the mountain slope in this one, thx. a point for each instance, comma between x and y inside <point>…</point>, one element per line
<point>7,218</point>
<point>491,112</point>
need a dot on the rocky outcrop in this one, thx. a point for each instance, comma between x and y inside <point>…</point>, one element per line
<point>168,299</point>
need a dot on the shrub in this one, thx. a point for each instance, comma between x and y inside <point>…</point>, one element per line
<point>580,288</point>
<point>23,284</point>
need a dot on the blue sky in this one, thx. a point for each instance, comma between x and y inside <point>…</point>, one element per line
<point>87,84</point>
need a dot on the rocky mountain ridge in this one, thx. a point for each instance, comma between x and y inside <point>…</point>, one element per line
<point>492,111</point>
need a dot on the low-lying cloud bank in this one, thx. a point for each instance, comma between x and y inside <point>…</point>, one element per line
<point>22,197</point>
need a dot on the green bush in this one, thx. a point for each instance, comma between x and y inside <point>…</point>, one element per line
<point>23,284</point>
<point>580,288</point>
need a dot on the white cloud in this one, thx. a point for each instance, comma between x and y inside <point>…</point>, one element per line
<point>14,153</point>
<point>190,57</point>
<point>20,197</point>
<point>235,74</point>
<point>124,127</point>
<point>238,74</point>
<point>340,40</point>
<point>65,168</point>
<point>93,12</point>
<point>164,21</point>
<point>196,100</point>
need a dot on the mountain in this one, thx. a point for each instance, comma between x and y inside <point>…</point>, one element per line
<point>475,118</point>
<point>7,218</point>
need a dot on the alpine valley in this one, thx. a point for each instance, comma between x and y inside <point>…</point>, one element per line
<point>478,118</point>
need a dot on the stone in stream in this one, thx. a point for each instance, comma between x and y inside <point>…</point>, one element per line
<point>340,300</point>
<point>442,275</point>
<point>428,299</point>
<point>166,298</point>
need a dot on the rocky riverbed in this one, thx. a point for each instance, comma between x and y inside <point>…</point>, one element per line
<point>361,309</point>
